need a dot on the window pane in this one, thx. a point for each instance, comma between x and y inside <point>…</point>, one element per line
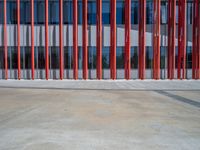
<point>149,57</point>
<point>53,12</point>
<point>92,58</point>
<point>54,57</point>
<point>163,12</point>
<point>1,12</point>
<point>134,57</point>
<point>1,58</point>
<point>80,17</point>
<point>40,12</point>
<point>41,58</point>
<point>91,13</point>
<point>68,57</point>
<point>149,13</point>
<point>120,13</point>
<point>11,13</point>
<point>105,57</point>
<point>134,12</point>
<point>106,12</point>
<point>67,12</point>
<point>120,57</point>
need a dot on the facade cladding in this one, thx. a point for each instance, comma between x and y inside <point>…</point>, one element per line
<point>99,39</point>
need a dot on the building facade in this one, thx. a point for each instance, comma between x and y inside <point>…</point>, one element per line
<point>99,39</point>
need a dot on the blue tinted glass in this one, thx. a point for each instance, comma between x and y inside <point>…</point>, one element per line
<point>163,12</point>
<point>39,12</point>
<point>67,12</point>
<point>134,57</point>
<point>134,13</point>
<point>91,13</point>
<point>120,57</point>
<point>149,13</point>
<point>11,13</point>
<point>25,17</point>
<point>53,12</point>
<point>105,57</point>
<point>106,12</point>
<point>92,57</point>
<point>80,16</point>
<point>120,13</point>
<point>1,12</point>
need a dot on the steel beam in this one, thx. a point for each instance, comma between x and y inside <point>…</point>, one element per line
<point>182,39</point>
<point>127,58</point>
<point>61,37</point>
<point>142,38</point>
<point>156,39</point>
<point>46,40</point>
<point>32,40</point>
<point>99,39</point>
<point>113,38</point>
<point>85,41</point>
<point>18,40</point>
<point>171,38</point>
<point>5,41</point>
<point>196,40</point>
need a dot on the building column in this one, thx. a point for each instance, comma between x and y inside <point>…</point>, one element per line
<point>18,40</point>
<point>5,41</point>
<point>171,38</point>
<point>32,40</point>
<point>75,39</point>
<point>61,37</point>
<point>46,40</point>
<point>85,41</point>
<point>99,39</point>
<point>142,38</point>
<point>196,40</point>
<point>113,39</point>
<point>127,58</point>
<point>181,39</point>
<point>156,39</point>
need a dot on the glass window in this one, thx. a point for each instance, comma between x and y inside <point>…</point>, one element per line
<point>92,57</point>
<point>11,13</point>
<point>80,55</point>
<point>134,57</point>
<point>134,12</point>
<point>68,57</point>
<point>41,58</point>
<point>105,57</point>
<point>1,12</point>
<point>120,13</point>
<point>105,12</point>
<point>39,12</point>
<point>67,12</point>
<point>164,12</point>
<point>149,13</point>
<point>80,11</point>
<point>25,14</point>
<point>163,56</point>
<point>53,12</point>
<point>1,58</point>
<point>12,58</point>
<point>189,13</point>
<point>177,13</point>
<point>54,57</point>
<point>91,13</point>
<point>149,57</point>
<point>120,57</point>
<point>189,57</point>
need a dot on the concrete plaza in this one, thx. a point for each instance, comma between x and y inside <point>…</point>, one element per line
<point>96,115</point>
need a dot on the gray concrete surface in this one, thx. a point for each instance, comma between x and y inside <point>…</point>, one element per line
<point>104,84</point>
<point>48,119</point>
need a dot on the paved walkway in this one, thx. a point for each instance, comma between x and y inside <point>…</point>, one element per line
<point>104,84</point>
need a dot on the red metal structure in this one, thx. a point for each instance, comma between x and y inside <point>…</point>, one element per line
<point>61,37</point>
<point>171,38</point>
<point>99,39</point>
<point>156,40</point>
<point>182,39</point>
<point>46,40</point>
<point>113,39</point>
<point>5,42</point>
<point>18,39</point>
<point>196,41</point>
<point>85,41</point>
<point>75,39</point>
<point>127,59</point>
<point>32,40</point>
<point>142,38</point>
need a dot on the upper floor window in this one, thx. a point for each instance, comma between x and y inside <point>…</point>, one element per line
<point>67,12</point>
<point>164,12</point>
<point>149,13</point>
<point>134,13</point>
<point>11,12</point>
<point>106,12</point>
<point>120,13</point>
<point>53,12</point>
<point>1,12</point>
<point>91,12</point>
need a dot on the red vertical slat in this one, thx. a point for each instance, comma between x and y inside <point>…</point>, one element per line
<point>99,39</point>
<point>75,39</point>
<point>198,72</point>
<point>32,39</point>
<point>171,37</point>
<point>18,39</point>
<point>61,37</point>
<point>113,38</point>
<point>127,58</point>
<point>5,41</point>
<point>156,40</point>
<point>142,38</point>
<point>181,39</point>
<point>85,41</point>
<point>46,40</point>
